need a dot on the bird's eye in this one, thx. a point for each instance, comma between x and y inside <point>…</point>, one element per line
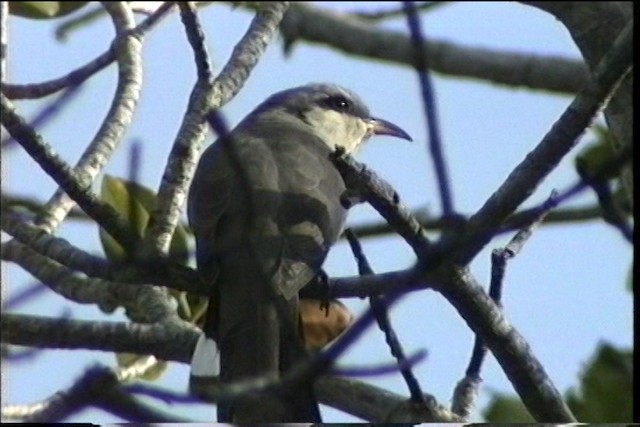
<point>338,103</point>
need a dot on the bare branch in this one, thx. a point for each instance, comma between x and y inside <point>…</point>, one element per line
<point>421,65</point>
<point>378,306</point>
<point>195,35</point>
<point>364,184</point>
<point>461,290</point>
<point>83,73</point>
<point>162,272</point>
<point>594,26</point>
<point>157,305</point>
<point>353,36</point>
<point>99,387</point>
<point>58,249</point>
<point>526,373</point>
<point>166,342</point>
<point>71,181</point>
<point>377,405</point>
<point>207,95</point>
<point>467,388</point>
<point>560,139</point>
<point>127,48</point>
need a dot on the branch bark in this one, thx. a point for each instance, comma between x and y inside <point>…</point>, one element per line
<point>358,37</point>
<point>595,26</point>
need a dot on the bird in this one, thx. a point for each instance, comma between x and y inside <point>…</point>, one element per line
<point>265,208</point>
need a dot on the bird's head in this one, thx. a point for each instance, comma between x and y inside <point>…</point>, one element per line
<point>335,114</point>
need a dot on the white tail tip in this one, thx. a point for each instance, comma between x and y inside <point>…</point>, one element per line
<point>206,358</point>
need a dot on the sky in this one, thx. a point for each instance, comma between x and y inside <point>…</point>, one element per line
<point>564,292</point>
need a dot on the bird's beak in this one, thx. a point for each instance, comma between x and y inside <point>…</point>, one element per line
<point>383,127</point>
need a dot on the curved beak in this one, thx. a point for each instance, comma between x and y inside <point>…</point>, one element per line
<point>382,127</point>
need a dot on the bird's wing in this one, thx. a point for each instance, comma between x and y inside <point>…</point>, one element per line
<point>209,196</point>
<point>292,215</point>
<point>310,216</point>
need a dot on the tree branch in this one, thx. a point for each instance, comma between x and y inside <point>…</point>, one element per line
<point>467,388</point>
<point>363,400</point>
<point>83,73</point>
<point>351,35</point>
<point>164,341</point>
<point>99,387</point>
<point>595,26</point>
<point>560,139</point>
<point>162,272</point>
<point>207,95</point>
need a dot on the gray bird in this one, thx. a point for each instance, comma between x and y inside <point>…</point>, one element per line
<point>262,234</point>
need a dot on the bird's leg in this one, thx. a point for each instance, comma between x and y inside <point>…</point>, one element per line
<point>318,289</point>
<point>323,278</point>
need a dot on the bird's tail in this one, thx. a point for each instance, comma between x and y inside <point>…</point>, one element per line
<point>244,339</point>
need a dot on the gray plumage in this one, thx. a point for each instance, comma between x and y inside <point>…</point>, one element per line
<point>269,230</point>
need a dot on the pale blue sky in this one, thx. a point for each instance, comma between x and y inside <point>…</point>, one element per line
<point>564,292</point>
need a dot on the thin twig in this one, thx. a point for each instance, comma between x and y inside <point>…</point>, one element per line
<point>379,308</point>
<point>516,221</point>
<point>83,73</point>
<point>466,390</point>
<point>406,363</point>
<point>49,112</point>
<point>65,177</point>
<point>379,15</point>
<point>195,35</point>
<point>560,139</point>
<point>421,66</point>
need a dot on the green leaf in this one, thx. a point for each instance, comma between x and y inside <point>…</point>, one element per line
<point>596,155</point>
<point>122,197</point>
<point>190,307</point>
<point>44,9</point>
<point>605,393</point>
<point>504,408</point>
<point>135,203</point>
<point>126,360</point>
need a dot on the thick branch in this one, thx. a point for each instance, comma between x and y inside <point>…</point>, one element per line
<point>164,342</point>
<point>562,137</point>
<point>594,27</point>
<point>512,351</point>
<point>376,405</point>
<point>363,400</point>
<point>161,272</point>
<point>357,37</point>
<point>128,52</point>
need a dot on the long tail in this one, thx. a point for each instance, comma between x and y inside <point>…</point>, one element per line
<point>246,329</point>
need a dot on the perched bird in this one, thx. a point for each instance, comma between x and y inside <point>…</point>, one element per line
<point>262,233</point>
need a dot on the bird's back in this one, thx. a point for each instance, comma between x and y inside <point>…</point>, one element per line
<point>285,199</point>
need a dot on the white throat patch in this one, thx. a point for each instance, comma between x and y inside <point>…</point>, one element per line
<point>337,129</point>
